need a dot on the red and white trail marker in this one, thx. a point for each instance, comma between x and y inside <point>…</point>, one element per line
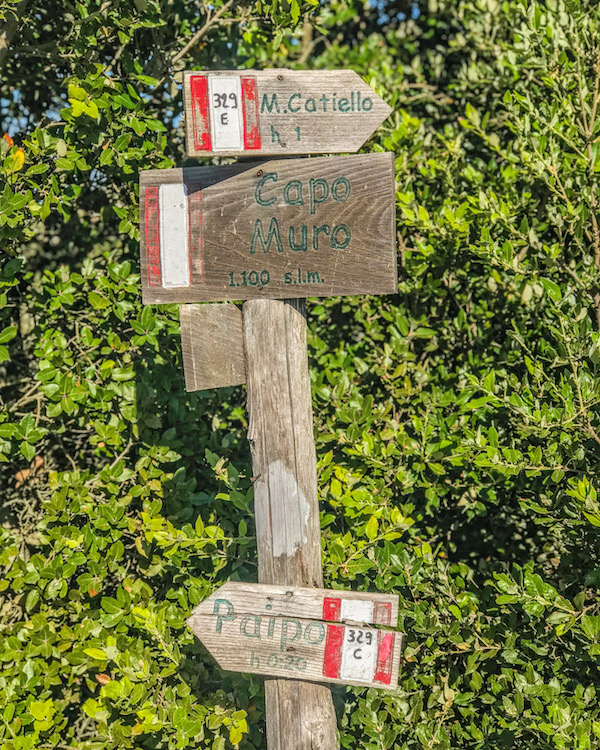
<point>309,634</point>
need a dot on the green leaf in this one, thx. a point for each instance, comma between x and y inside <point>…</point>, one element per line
<point>65,164</point>
<point>27,450</point>
<point>593,519</point>
<point>37,169</point>
<point>235,735</point>
<point>41,710</point>
<point>91,109</point>
<point>591,626</point>
<point>76,92</point>
<point>7,334</point>
<point>32,599</point>
<point>95,653</point>
<point>553,290</point>
<point>371,528</point>
<point>77,107</point>
<point>97,301</point>
<point>472,115</point>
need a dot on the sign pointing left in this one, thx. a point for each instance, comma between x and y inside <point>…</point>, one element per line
<point>298,633</point>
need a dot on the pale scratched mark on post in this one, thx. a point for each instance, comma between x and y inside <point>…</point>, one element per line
<point>283,481</point>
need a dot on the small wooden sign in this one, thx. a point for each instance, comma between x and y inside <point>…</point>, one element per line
<point>292,228</point>
<point>278,112</point>
<point>298,633</point>
<point>212,343</point>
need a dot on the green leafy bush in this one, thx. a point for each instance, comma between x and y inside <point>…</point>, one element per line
<point>456,422</point>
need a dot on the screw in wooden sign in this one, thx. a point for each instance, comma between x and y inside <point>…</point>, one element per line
<point>279,112</point>
<point>298,633</point>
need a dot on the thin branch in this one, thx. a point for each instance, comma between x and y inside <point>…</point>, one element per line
<point>123,453</point>
<point>115,59</point>
<point>210,21</point>
<point>594,100</point>
<point>27,397</point>
<point>307,41</point>
<point>582,409</point>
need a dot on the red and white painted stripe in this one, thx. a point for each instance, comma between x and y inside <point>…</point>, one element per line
<point>339,609</point>
<point>173,235</point>
<point>358,654</point>
<point>225,113</point>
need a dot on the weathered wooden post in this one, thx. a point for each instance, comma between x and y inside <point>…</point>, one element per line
<point>262,233</point>
<point>288,531</point>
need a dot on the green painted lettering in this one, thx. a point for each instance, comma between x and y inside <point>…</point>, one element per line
<point>289,106</point>
<point>367,104</point>
<point>221,618</point>
<point>303,246</point>
<point>344,105</point>
<point>340,244</point>
<point>316,231</point>
<point>324,99</point>
<point>340,189</point>
<point>293,200</point>
<point>312,277</point>
<point>257,196</point>
<point>265,106</point>
<point>313,105</point>
<point>275,136</point>
<point>314,199</point>
<point>284,632</point>
<point>244,623</point>
<point>259,236</point>
<point>318,626</point>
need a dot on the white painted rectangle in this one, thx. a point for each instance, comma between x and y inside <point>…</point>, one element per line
<point>225,103</point>
<point>174,251</point>
<point>359,654</point>
<point>356,610</point>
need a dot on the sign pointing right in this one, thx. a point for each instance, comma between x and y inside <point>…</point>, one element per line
<point>279,112</point>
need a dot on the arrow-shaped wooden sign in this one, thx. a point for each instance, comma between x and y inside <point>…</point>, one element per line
<point>279,112</point>
<point>276,229</point>
<point>298,633</point>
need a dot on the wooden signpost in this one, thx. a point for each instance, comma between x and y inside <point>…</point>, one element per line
<point>296,632</point>
<point>278,112</point>
<point>289,228</point>
<point>261,231</point>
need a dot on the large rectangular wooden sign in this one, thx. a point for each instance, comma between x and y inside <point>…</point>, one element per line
<point>300,633</point>
<point>278,112</point>
<point>292,228</point>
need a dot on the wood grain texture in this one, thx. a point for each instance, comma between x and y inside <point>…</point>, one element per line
<point>298,227</point>
<point>213,346</point>
<point>292,112</point>
<point>294,601</point>
<point>281,439</point>
<point>297,648</point>
<point>299,715</point>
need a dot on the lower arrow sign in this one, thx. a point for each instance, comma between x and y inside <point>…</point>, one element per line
<point>272,640</point>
